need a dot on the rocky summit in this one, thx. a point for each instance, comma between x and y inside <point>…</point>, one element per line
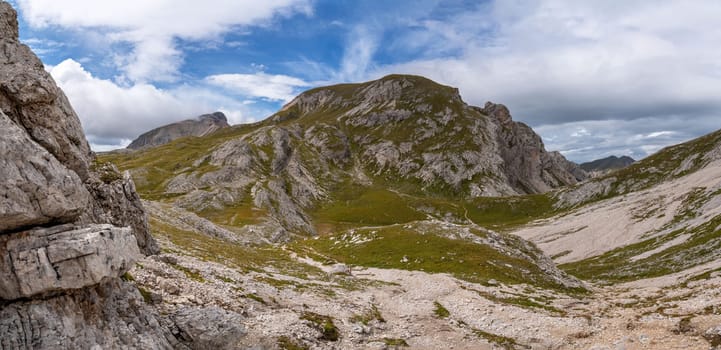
<point>200,126</point>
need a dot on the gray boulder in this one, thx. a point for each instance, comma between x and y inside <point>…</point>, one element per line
<point>210,328</point>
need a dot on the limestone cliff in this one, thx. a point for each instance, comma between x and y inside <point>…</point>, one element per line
<point>69,226</point>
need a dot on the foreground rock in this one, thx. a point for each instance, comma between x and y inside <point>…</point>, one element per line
<point>62,258</point>
<point>69,227</point>
<point>210,328</point>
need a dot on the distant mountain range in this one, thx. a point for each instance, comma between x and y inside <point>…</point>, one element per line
<point>608,163</point>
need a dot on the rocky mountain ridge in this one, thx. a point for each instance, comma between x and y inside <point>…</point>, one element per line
<point>399,134</point>
<point>200,126</point>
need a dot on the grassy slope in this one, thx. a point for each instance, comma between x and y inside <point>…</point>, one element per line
<point>704,243</point>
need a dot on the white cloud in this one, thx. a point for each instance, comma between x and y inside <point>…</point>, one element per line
<point>112,115</point>
<point>272,87</point>
<point>618,137</point>
<point>152,27</point>
<point>358,56</point>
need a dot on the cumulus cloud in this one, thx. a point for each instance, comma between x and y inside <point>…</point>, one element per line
<point>112,115</point>
<point>153,27</point>
<point>262,85</point>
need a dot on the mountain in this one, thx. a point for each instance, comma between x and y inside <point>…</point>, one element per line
<point>201,126</point>
<point>330,148</point>
<point>608,163</point>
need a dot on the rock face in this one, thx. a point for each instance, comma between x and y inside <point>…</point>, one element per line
<point>38,189</point>
<point>63,257</point>
<point>69,227</point>
<point>203,125</point>
<point>526,164</point>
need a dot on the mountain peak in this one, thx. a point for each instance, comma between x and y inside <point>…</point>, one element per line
<point>398,92</point>
<point>200,126</point>
<point>498,111</point>
<point>218,117</point>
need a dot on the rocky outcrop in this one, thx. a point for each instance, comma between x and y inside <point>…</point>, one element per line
<point>203,125</point>
<point>210,328</point>
<point>69,227</point>
<point>526,164</point>
<point>37,188</point>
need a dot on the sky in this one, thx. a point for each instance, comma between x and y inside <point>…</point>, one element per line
<point>593,78</point>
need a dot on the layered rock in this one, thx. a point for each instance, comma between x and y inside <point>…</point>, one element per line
<point>69,227</point>
<point>63,257</point>
<point>201,126</point>
<point>37,188</point>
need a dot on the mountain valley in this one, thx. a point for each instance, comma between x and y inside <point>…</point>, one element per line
<point>387,214</point>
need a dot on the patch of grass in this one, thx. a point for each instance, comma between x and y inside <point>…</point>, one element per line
<point>147,296</point>
<point>369,315</point>
<point>374,206</point>
<point>127,277</point>
<point>440,311</point>
<point>286,343</point>
<point>505,342</point>
<point>190,273</point>
<point>225,279</point>
<point>704,276</point>
<point>256,298</point>
<point>322,323</point>
<point>244,258</point>
<point>395,342</point>
<point>405,247</point>
<point>504,213</point>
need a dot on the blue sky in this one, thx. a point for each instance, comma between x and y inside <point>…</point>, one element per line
<point>593,78</point>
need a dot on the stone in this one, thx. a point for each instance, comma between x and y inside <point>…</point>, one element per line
<point>340,269</point>
<point>63,257</point>
<point>116,202</point>
<point>209,328</point>
<point>713,335</point>
<point>37,189</point>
